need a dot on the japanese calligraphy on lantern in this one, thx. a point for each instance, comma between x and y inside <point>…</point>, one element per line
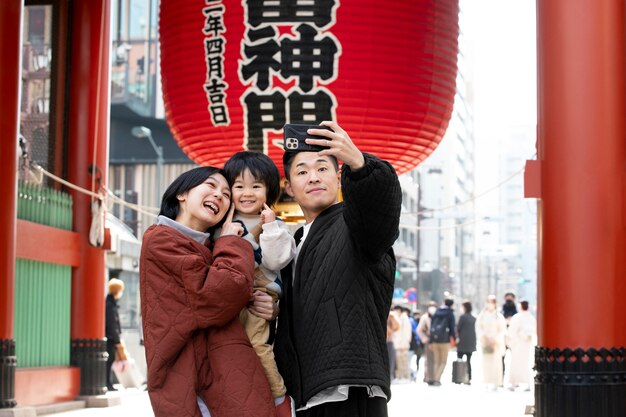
<point>214,44</point>
<point>302,57</point>
<point>234,72</point>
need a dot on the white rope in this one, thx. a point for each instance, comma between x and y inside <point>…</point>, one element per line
<point>429,228</point>
<point>66,183</point>
<point>150,211</point>
<point>487,191</point>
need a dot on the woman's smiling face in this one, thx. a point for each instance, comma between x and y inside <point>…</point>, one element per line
<point>206,204</point>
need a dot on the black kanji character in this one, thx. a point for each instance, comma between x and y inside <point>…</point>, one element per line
<point>263,111</point>
<point>260,59</point>
<point>219,115</point>
<point>214,46</point>
<point>318,12</point>
<point>213,25</point>
<point>215,66</point>
<point>310,108</point>
<point>307,58</point>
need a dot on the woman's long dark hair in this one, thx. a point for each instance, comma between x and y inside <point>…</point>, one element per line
<point>170,205</point>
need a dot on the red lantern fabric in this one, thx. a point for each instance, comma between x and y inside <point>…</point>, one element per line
<point>234,73</point>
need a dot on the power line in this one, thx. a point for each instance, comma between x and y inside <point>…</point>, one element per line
<point>487,191</point>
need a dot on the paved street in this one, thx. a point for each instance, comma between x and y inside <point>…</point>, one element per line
<point>409,399</point>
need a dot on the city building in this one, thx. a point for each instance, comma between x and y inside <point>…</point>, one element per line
<point>436,247</point>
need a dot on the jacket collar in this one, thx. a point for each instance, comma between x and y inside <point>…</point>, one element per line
<point>199,237</point>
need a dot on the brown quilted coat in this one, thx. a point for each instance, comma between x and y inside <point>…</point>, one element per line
<point>190,301</point>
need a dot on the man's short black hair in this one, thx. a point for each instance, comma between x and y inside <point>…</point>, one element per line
<point>448,302</point>
<point>262,169</point>
<point>289,156</point>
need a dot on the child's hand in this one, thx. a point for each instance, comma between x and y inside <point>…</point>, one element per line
<point>262,305</point>
<point>229,228</point>
<point>267,215</point>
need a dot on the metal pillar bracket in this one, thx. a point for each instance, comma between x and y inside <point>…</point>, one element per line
<point>90,356</point>
<point>7,373</point>
<point>580,382</point>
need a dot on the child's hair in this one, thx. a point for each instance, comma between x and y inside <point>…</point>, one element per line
<point>185,182</point>
<point>262,169</point>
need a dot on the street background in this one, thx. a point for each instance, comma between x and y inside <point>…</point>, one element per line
<point>408,399</point>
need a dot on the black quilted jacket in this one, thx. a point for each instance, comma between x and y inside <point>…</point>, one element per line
<point>333,320</point>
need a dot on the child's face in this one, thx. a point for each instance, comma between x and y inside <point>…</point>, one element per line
<point>249,193</point>
<point>206,204</point>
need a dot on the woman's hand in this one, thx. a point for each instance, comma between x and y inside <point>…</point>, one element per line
<point>229,228</point>
<point>262,305</point>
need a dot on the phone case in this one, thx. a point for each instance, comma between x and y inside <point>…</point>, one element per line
<point>295,136</point>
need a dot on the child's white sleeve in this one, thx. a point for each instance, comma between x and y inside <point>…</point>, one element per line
<point>277,246</point>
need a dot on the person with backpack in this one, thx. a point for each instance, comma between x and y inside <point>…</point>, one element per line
<point>442,328</point>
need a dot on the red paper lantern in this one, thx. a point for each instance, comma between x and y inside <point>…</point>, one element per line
<point>235,72</point>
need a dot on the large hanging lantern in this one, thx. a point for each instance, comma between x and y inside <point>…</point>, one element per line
<point>234,72</point>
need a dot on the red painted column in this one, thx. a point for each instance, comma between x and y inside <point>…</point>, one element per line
<point>88,145</point>
<point>11,12</point>
<point>582,153</point>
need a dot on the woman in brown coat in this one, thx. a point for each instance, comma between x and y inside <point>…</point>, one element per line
<point>200,361</point>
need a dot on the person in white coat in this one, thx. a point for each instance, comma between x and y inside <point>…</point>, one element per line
<point>490,332</point>
<point>401,342</point>
<point>521,339</point>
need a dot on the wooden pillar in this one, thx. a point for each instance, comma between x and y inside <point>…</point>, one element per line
<point>581,363</point>
<point>88,129</point>
<point>11,12</point>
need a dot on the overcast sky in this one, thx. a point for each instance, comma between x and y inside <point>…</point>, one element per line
<point>502,68</point>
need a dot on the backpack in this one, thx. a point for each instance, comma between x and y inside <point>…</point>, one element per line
<point>439,332</point>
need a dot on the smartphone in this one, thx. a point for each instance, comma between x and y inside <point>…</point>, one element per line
<point>295,135</point>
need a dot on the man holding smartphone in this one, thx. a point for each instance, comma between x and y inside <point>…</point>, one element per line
<point>331,340</point>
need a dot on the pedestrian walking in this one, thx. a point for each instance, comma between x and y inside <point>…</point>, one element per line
<point>113,327</point>
<point>330,343</point>
<point>509,309</point>
<point>402,343</point>
<point>423,330</point>
<point>200,360</point>
<point>442,334</point>
<point>490,332</point>
<point>466,336</point>
<point>521,336</point>
<point>416,345</point>
<point>393,325</point>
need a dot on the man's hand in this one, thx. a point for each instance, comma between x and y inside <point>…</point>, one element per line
<point>340,144</point>
<point>230,228</point>
<point>262,305</point>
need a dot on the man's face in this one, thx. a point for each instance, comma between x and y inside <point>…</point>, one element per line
<point>313,182</point>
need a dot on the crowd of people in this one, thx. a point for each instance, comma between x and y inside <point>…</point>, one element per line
<point>495,334</point>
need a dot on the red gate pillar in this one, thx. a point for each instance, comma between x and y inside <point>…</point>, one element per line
<point>11,12</point>
<point>88,147</point>
<point>580,361</point>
